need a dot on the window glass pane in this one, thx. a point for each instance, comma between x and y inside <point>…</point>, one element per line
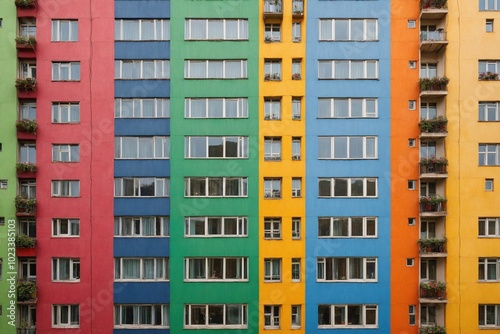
<point>340,187</point>
<point>341,30</point>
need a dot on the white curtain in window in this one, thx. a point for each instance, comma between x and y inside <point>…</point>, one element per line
<point>148,270</point>
<point>371,30</point>
<point>215,108</point>
<point>234,69</point>
<point>129,147</point>
<point>215,69</point>
<point>231,108</point>
<point>198,29</point>
<point>356,147</point>
<point>147,30</point>
<point>131,269</point>
<point>356,107</point>
<point>341,69</point>
<point>325,70</point>
<point>340,148</point>
<point>197,107</point>
<point>370,148</point>
<point>357,30</point>
<point>341,30</point>
<point>130,30</point>
<point>357,70</point>
<point>233,315</point>
<point>145,147</point>
<point>148,108</point>
<point>326,29</point>
<point>145,315</point>
<point>197,69</point>
<point>197,268</point>
<point>324,147</point>
<point>243,29</point>
<point>148,226</point>
<point>215,29</point>
<point>371,69</point>
<point>63,269</point>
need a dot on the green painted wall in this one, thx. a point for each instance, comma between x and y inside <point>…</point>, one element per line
<point>213,293</point>
<point>8,156</point>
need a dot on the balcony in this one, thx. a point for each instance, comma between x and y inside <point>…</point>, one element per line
<point>298,9</point>
<point>26,88</point>
<point>432,168</point>
<point>433,87</point>
<point>26,129</point>
<point>273,9</point>
<point>432,330</point>
<point>26,170</point>
<point>26,330</point>
<point>433,9</point>
<point>432,41</point>
<point>432,247</point>
<point>25,206</point>
<point>434,127</point>
<point>25,246</point>
<point>432,292</point>
<point>26,292</point>
<point>26,8</point>
<point>25,46</point>
<point>432,206</point>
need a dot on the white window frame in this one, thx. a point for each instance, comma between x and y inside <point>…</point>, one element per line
<point>27,110</point>
<point>272,228</point>
<point>27,188</point>
<point>135,108</point>
<point>272,108</point>
<point>332,220</point>
<point>161,185</point>
<point>296,108</point>
<point>296,228</point>
<point>59,312</point>
<point>135,227</point>
<point>161,29</point>
<point>296,32</point>
<point>72,66</point>
<point>489,65</point>
<point>27,226</point>
<point>73,225</point>
<point>241,36</point>
<point>272,69</point>
<point>349,181</point>
<point>272,188</point>
<point>484,5</point>
<point>242,190</point>
<point>242,147</point>
<point>364,112</point>
<point>350,74</point>
<point>272,148</point>
<point>65,112</point>
<point>489,227</point>
<point>242,107</point>
<point>489,150</point>
<point>26,270</point>
<point>272,32</point>
<point>428,269</point>
<point>428,110</point>
<point>73,269</point>
<point>296,270</point>
<point>296,148</point>
<point>27,152</point>
<point>488,266</point>
<point>350,37</point>
<point>59,151</point>
<point>158,262</point>
<point>344,324</point>
<point>211,276</point>
<point>243,69</point>
<point>272,316</point>
<point>331,141</point>
<point>27,27</point>
<point>190,227</point>
<point>161,69</point>
<point>484,111</point>
<point>269,270</point>
<point>59,25</point>
<point>484,323</point>
<point>188,313</point>
<point>73,187</point>
<point>27,69</point>
<point>296,316</point>
<point>412,315</point>
<point>159,146</point>
<point>296,187</point>
<point>137,309</point>
<point>322,266</point>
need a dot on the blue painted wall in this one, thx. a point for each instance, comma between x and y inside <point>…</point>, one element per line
<point>348,293</point>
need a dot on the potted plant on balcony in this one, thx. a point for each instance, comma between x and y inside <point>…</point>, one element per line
<point>25,3</point>
<point>433,330</point>
<point>439,83</point>
<point>437,4</point>
<point>275,77</point>
<point>26,169</point>
<point>296,76</point>
<point>425,245</point>
<point>23,241</point>
<point>26,290</point>
<point>439,203</point>
<point>26,126</point>
<point>488,76</point>
<point>26,41</point>
<point>25,205</point>
<point>27,84</point>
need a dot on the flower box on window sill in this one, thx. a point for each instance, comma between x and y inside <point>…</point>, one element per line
<point>272,77</point>
<point>272,158</point>
<point>488,76</point>
<point>296,76</point>
<point>295,157</point>
<point>434,4</point>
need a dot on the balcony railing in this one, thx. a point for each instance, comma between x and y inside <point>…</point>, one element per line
<point>433,84</point>
<point>272,77</point>
<point>432,330</point>
<point>432,245</point>
<point>432,204</point>
<point>433,165</point>
<point>273,9</point>
<point>298,8</point>
<point>26,331</point>
<point>433,125</point>
<point>433,4</point>
<point>432,41</point>
<point>433,290</point>
<point>25,206</point>
<point>437,35</point>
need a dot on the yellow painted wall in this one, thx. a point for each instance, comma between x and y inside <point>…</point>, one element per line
<point>467,199</point>
<point>284,293</point>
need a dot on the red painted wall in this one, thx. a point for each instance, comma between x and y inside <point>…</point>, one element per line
<point>94,133</point>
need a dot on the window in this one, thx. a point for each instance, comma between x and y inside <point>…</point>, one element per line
<point>347,147</point>
<point>142,108</point>
<point>272,69</point>
<point>65,153</point>
<point>296,187</point>
<point>142,69</point>
<point>27,269</point>
<point>489,4</point>
<point>65,227</point>
<point>412,104</point>
<point>295,270</point>
<point>296,32</point>
<point>347,187</point>
<point>64,30</point>
<point>271,316</point>
<point>216,147</point>
<point>142,269</point>
<point>412,221</point>
<point>296,316</point>
<point>1,271</point>
<point>65,188</point>
<point>346,316</point>
<point>347,108</point>
<point>489,227</point>
<point>427,188</point>
<point>427,229</point>
<point>296,148</point>
<point>216,316</point>
<point>215,227</point>
<point>296,228</point>
<point>27,27</point>
<point>157,147</point>
<point>66,316</point>
<point>296,69</point>
<point>296,108</point>
<point>272,108</point>
<point>216,107</point>
<point>412,184</point>
<point>216,269</point>
<point>142,30</point>
<point>428,110</point>
<point>272,148</point>
<point>489,154</point>
<point>216,187</point>
<point>2,223</point>
<point>27,153</point>
<point>428,270</point>
<point>3,184</point>
<point>489,69</point>
<point>410,262</point>
<point>65,112</point>
<point>272,188</point>
<point>27,189</point>
<point>427,315</point>
<point>142,227</point>
<point>347,69</point>
<point>489,111</point>
<point>347,227</point>
<point>489,25</point>
<point>412,24</point>
<point>215,69</point>
<point>488,184</point>
<point>27,110</point>
<point>346,269</point>
<point>142,187</point>
<point>489,269</point>
<point>272,270</point>
<point>412,315</point>
<point>348,30</point>
<point>272,228</point>
<point>142,316</point>
<point>489,316</point>
<point>428,70</point>
<point>411,142</point>
<point>216,29</point>
<point>66,71</point>
<point>65,269</point>
<point>272,33</point>
<point>27,70</point>
<point>412,64</point>
<point>27,227</point>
